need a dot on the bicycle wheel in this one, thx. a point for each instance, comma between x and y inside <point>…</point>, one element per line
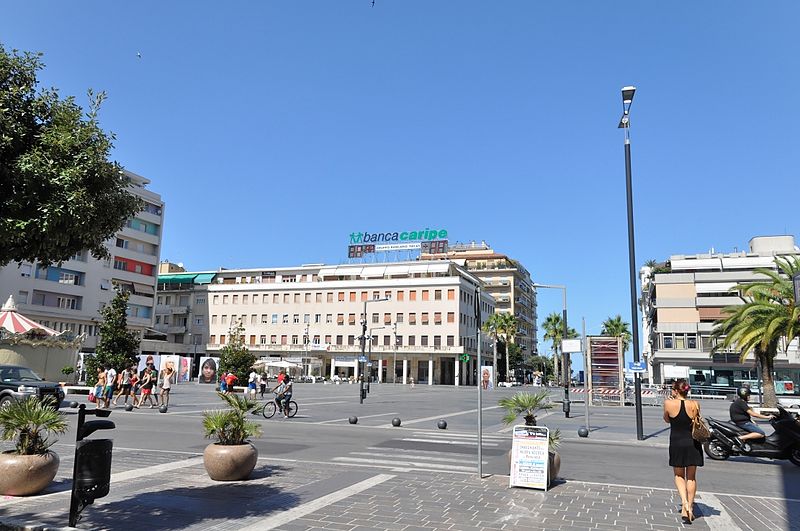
<point>292,408</point>
<point>269,409</point>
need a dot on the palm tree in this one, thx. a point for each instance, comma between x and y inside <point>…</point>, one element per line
<point>616,327</point>
<point>508,330</point>
<point>768,318</point>
<point>554,331</point>
<point>493,327</point>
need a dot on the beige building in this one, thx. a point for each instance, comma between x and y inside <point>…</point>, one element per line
<point>70,295</point>
<point>420,317</point>
<point>682,300</point>
<point>506,280</point>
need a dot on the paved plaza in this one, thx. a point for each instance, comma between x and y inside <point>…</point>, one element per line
<point>318,472</point>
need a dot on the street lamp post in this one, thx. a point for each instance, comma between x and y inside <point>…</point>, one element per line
<point>305,351</point>
<point>564,335</point>
<point>394,363</point>
<point>363,340</point>
<point>369,354</point>
<point>624,123</point>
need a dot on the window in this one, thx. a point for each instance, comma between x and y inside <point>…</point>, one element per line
<point>339,340</point>
<point>328,339</point>
<point>329,296</point>
<point>317,318</point>
<point>294,340</point>
<point>339,318</point>
<point>426,295</point>
<point>691,342</point>
<point>437,318</point>
<point>341,296</point>
<point>273,339</point>
<point>425,319</point>
<point>451,317</point>
<point>68,278</point>
<point>25,270</point>
<point>252,340</point>
<point>285,319</point>
<point>451,294</point>
<point>412,295</point>
<point>216,299</point>
<point>352,296</point>
<point>451,341</point>
<point>351,319</point>
<point>224,299</point>
<point>296,298</point>
<point>120,264</point>
<point>67,303</point>
<point>376,295</point>
<point>437,295</point>
<point>328,318</point>
<point>412,318</point>
<point>412,340</point>
<point>233,318</point>
<point>351,340</point>
<point>274,318</point>
<point>437,341</point>
<point>296,318</point>
<point>375,318</point>
<point>213,319</point>
<point>224,319</point>
<point>680,341</point>
<point>387,342</point>
<point>245,299</point>
<point>306,318</point>
<point>198,319</point>
<point>423,341</point>
<point>276,298</point>
<point>22,297</point>
<point>200,300</point>
<point>398,318</point>
<point>264,318</point>
<point>667,341</point>
<point>284,339</point>
<point>264,299</point>
<point>387,294</point>
<point>235,299</point>
<point>364,296</point>
<point>212,339</point>
<point>401,295</point>
<point>263,340</point>
<point>286,298</point>
<point>254,319</point>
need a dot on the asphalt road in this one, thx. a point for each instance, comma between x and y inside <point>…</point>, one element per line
<point>321,434</point>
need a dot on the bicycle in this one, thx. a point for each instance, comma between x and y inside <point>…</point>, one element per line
<point>270,408</point>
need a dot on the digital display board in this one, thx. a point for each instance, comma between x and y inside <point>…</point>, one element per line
<point>434,247</point>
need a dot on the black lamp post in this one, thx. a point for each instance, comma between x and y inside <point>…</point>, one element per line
<point>624,123</point>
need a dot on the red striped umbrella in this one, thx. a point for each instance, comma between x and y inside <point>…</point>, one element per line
<point>17,323</point>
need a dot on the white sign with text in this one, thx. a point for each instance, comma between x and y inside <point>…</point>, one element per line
<point>530,457</point>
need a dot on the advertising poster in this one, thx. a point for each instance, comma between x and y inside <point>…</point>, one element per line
<point>529,457</point>
<point>487,377</point>
<point>184,369</point>
<point>144,361</point>
<point>209,368</point>
<point>169,360</point>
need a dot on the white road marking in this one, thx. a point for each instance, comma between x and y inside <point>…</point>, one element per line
<point>445,441</point>
<point>414,456</point>
<point>405,464</point>
<point>347,418</point>
<point>271,522</point>
<point>721,521</point>
<point>446,434</point>
<point>447,415</point>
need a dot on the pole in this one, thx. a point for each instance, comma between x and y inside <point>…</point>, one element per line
<point>565,359</point>
<point>363,347</point>
<point>394,365</point>
<point>632,266</point>
<point>480,382</point>
<point>587,394</point>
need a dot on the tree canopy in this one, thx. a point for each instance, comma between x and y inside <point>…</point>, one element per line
<point>235,357</point>
<point>59,192</point>
<point>118,346</point>
<point>616,327</point>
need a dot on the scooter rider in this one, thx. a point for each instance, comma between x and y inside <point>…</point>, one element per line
<point>740,415</point>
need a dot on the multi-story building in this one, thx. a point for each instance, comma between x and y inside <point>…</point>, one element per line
<point>420,317</point>
<point>70,295</point>
<point>181,313</point>
<point>506,280</point>
<point>681,301</point>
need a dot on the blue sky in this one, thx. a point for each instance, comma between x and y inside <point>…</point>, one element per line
<point>274,129</point>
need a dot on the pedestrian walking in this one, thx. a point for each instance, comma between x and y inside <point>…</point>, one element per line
<point>223,382</point>
<point>230,379</point>
<point>124,384</point>
<point>166,384</point>
<point>111,381</point>
<point>685,454</point>
<point>252,382</point>
<point>262,383</point>
<point>147,388</point>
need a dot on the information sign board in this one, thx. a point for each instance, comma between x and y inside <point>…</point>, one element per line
<point>529,457</point>
<point>637,366</point>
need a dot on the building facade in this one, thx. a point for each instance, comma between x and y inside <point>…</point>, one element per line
<point>420,317</point>
<point>506,280</point>
<point>683,299</point>
<point>70,295</point>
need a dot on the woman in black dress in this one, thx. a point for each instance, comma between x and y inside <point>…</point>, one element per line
<point>685,454</point>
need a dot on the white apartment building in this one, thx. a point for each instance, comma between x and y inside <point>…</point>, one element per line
<point>420,317</point>
<point>683,299</point>
<point>70,295</point>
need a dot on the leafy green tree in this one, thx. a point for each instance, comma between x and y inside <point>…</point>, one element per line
<point>493,326</point>
<point>541,363</point>
<point>59,193</point>
<point>616,327</point>
<point>118,346</point>
<point>508,331</point>
<point>768,320</point>
<point>554,332</point>
<point>235,356</point>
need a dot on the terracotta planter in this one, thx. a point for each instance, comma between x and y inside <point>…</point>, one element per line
<point>22,475</point>
<point>230,462</point>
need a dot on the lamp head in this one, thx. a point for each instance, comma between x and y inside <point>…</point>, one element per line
<point>627,94</point>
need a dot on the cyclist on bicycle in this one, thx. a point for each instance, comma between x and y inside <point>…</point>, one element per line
<point>283,392</point>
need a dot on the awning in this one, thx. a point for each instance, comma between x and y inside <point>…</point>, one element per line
<point>185,278</point>
<point>373,271</point>
<point>143,288</point>
<point>204,278</point>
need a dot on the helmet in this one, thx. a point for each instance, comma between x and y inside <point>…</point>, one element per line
<point>743,392</point>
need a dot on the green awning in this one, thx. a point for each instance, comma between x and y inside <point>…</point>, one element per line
<point>185,278</point>
<point>204,278</point>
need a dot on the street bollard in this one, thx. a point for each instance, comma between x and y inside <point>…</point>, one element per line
<point>91,473</point>
<point>565,407</point>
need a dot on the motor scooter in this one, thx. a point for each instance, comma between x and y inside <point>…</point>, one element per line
<point>783,443</point>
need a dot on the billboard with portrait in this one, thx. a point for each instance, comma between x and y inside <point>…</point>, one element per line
<point>487,377</point>
<point>208,370</point>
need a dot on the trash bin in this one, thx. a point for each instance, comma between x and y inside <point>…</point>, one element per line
<point>93,476</point>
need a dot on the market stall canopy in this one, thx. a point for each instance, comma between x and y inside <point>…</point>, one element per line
<point>278,363</point>
<point>16,323</point>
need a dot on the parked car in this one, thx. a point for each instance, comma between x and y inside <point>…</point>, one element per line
<point>18,383</point>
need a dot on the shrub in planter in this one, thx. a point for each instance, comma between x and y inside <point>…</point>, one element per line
<point>527,405</point>
<point>232,457</point>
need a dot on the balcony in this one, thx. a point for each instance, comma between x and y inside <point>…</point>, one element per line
<point>175,330</point>
<point>179,310</point>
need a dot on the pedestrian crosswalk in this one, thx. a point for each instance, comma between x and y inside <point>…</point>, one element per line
<point>432,451</point>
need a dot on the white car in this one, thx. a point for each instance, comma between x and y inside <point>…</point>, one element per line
<point>789,402</point>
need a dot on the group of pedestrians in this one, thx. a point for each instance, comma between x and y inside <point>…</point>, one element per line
<point>139,386</point>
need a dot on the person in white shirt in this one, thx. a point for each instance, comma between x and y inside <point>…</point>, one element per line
<point>111,382</point>
<point>251,384</point>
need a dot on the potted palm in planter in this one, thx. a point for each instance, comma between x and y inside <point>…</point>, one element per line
<point>527,405</point>
<point>30,466</point>
<point>232,457</point>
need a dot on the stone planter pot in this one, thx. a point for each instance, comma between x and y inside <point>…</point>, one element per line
<point>554,467</point>
<point>230,462</point>
<point>23,475</point>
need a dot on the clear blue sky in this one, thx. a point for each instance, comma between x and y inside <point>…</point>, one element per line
<point>274,129</point>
